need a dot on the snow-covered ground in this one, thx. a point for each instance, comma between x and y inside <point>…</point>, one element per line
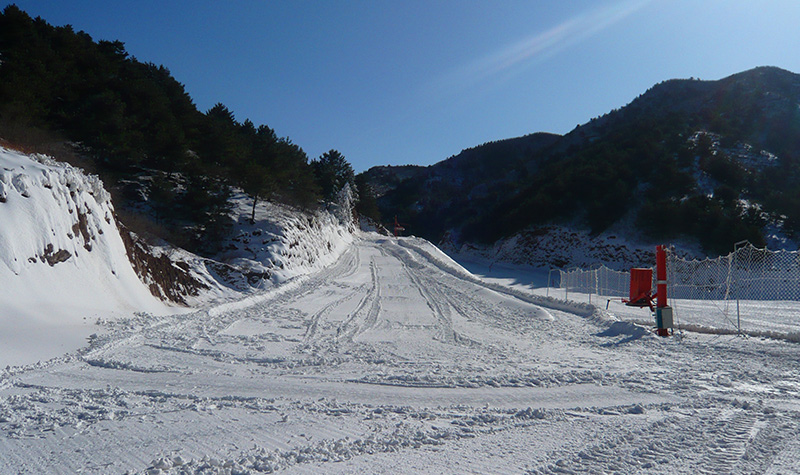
<point>396,359</point>
<point>759,318</point>
<point>326,350</point>
<point>64,267</point>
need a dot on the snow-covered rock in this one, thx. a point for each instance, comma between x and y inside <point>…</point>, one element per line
<point>62,262</point>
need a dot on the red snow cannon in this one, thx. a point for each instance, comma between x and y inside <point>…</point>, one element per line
<point>641,292</point>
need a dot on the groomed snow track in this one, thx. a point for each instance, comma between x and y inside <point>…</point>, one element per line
<point>394,359</point>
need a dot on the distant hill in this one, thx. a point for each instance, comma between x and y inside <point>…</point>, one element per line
<point>442,196</point>
<point>712,162</point>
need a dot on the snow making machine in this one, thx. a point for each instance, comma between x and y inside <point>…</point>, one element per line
<point>641,292</point>
<point>641,289</point>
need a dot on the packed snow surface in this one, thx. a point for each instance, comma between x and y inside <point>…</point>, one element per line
<point>396,359</point>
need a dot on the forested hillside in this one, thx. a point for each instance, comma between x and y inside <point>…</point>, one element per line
<point>714,161</point>
<point>448,194</point>
<point>170,166</point>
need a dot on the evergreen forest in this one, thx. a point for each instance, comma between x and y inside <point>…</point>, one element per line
<point>171,167</point>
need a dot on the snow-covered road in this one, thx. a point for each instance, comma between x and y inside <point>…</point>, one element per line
<point>394,360</point>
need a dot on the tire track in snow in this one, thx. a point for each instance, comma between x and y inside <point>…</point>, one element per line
<point>370,306</point>
<point>732,441</point>
<point>312,334</point>
<point>697,441</point>
<point>441,312</point>
<point>706,430</point>
<point>187,332</point>
<point>357,321</point>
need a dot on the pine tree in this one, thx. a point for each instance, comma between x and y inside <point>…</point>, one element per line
<point>332,172</point>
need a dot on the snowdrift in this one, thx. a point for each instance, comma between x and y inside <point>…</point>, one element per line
<point>62,262</point>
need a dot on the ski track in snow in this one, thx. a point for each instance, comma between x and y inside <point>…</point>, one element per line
<point>395,360</point>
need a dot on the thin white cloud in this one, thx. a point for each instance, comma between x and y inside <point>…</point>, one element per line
<point>540,46</point>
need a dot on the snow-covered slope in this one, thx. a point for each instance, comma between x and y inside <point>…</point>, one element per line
<point>282,243</point>
<point>555,246</point>
<point>394,359</point>
<point>62,262</point>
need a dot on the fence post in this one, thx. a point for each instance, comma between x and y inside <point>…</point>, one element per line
<point>736,283</point>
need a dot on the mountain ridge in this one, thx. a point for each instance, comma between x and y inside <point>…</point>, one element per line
<point>678,161</point>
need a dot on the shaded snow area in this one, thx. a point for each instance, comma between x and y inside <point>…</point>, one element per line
<point>395,359</point>
<point>280,244</point>
<point>555,246</point>
<point>63,264</point>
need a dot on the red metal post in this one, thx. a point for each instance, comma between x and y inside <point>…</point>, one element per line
<point>397,227</point>
<point>661,283</point>
<point>661,276</point>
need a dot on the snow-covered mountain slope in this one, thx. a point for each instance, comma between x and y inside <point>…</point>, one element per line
<point>709,162</point>
<point>556,246</point>
<point>65,263</point>
<point>280,244</point>
<point>62,262</point>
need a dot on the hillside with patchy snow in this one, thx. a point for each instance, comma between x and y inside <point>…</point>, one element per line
<point>705,163</point>
<point>557,247</point>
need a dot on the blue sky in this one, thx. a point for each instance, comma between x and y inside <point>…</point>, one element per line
<point>414,82</point>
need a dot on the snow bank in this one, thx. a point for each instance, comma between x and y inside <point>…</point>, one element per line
<point>62,262</point>
<point>64,266</point>
<point>441,260</point>
<point>281,244</point>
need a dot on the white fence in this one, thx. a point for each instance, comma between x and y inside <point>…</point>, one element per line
<point>750,290</point>
<point>601,282</point>
<point>605,288</point>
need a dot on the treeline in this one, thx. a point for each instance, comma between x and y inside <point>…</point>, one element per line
<point>147,139</point>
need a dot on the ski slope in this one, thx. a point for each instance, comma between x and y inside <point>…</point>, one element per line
<point>395,359</point>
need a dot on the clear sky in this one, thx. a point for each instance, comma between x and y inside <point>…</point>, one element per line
<point>416,81</point>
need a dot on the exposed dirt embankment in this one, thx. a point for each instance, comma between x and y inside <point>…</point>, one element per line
<point>168,280</point>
